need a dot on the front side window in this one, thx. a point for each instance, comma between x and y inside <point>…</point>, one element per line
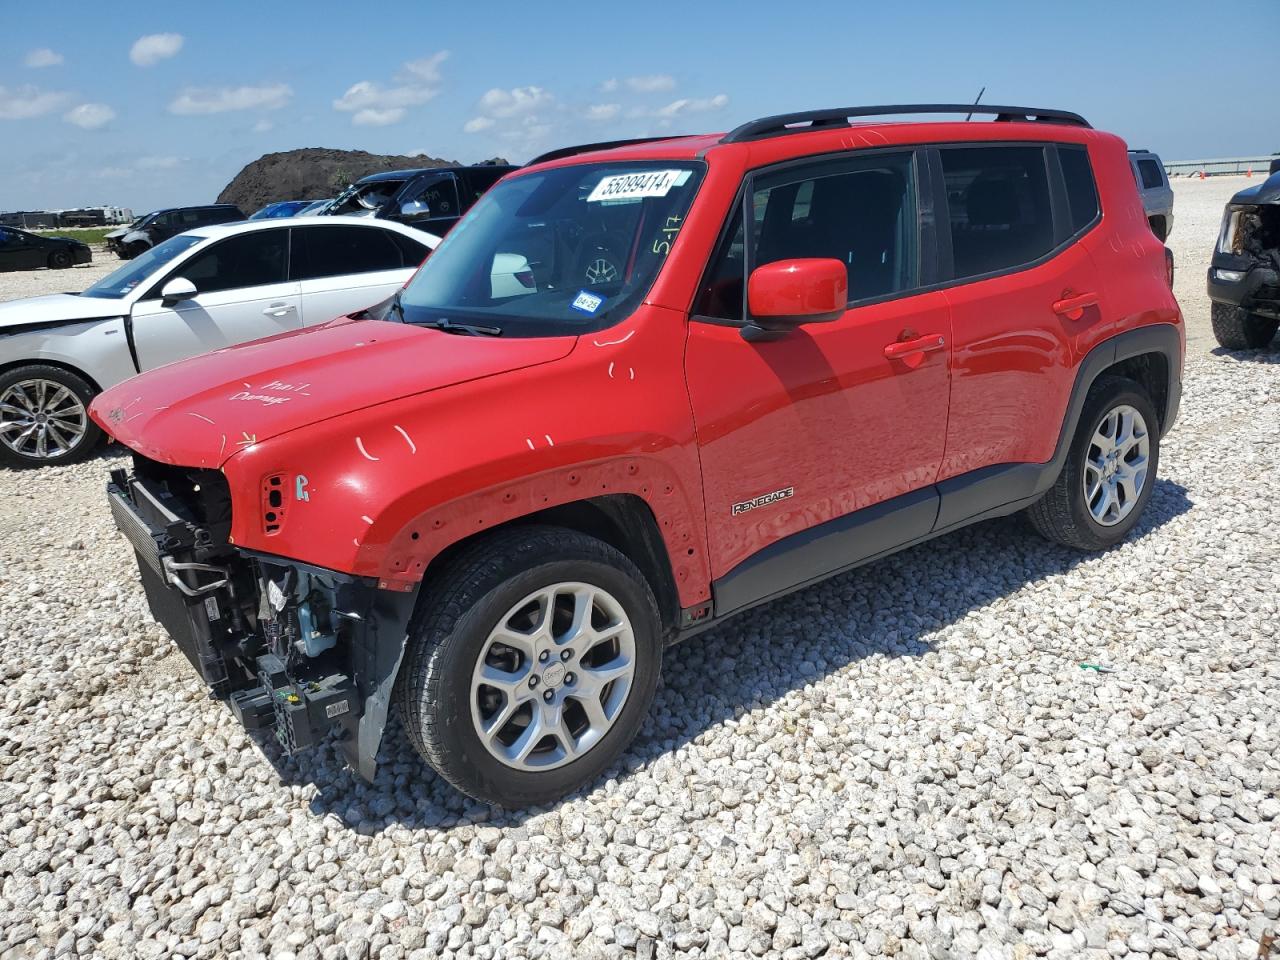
<point>436,196</point>
<point>563,251</point>
<point>861,212</point>
<point>248,260</point>
<point>124,280</point>
<point>998,198</point>
<point>332,251</point>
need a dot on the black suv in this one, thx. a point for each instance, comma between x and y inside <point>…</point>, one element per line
<point>145,232</point>
<point>431,198</point>
<point>1244,275</point>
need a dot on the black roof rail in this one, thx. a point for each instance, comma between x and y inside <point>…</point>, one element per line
<point>562,152</point>
<point>818,119</point>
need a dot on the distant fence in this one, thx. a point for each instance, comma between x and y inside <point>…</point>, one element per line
<point>1214,168</point>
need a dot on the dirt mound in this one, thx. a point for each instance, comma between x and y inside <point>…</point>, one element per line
<point>311,173</point>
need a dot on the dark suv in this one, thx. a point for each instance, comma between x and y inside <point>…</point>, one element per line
<point>1244,275</point>
<point>640,390</point>
<point>431,199</point>
<point>158,226</point>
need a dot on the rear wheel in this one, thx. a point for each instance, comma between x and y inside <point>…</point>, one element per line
<point>59,260</point>
<point>1237,329</point>
<point>44,418</point>
<point>532,665</point>
<point>1110,470</point>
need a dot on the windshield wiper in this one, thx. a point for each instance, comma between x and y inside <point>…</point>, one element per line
<point>449,326</point>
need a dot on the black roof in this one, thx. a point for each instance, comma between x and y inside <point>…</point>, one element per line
<point>808,120</point>
<point>415,171</point>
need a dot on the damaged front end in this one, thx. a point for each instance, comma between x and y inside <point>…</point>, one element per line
<point>296,650</point>
<point>1245,270</point>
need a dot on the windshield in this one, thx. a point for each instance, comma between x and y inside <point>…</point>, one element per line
<point>565,251</point>
<point>363,199</point>
<point>120,283</point>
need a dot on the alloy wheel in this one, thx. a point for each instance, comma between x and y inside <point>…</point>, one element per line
<point>553,676</point>
<point>1115,469</point>
<point>41,419</point>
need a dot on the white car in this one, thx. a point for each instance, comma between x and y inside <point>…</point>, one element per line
<point>199,291</point>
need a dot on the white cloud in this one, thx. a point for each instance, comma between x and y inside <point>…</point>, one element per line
<point>149,50</point>
<point>685,105</point>
<point>373,104</point>
<point>204,100</point>
<point>263,125</point>
<point>652,83</point>
<point>602,111</point>
<point>90,116</point>
<point>514,102</point>
<point>371,117</point>
<point>157,163</point>
<point>476,124</point>
<point>609,86</point>
<point>42,57</point>
<point>25,102</point>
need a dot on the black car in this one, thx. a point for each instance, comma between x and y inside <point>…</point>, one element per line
<point>20,250</point>
<point>145,232</point>
<point>430,198</point>
<point>1244,275</point>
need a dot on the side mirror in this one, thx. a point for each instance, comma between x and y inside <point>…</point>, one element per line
<point>787,293</point>
<point>177,290</point>
<point>415,208</point>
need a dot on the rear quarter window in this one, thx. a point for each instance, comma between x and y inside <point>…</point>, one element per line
<point>1152,176</point>
<point>1082,192</point>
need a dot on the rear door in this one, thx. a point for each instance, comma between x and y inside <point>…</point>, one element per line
<point>1027,301</point>
<point>342,268</point>
<point>242,294</point>
<point>824,421</point>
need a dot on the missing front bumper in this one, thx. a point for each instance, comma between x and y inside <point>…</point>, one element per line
<point>315,655</point>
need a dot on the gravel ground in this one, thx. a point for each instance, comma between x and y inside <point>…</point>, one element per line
<point>908,761</point>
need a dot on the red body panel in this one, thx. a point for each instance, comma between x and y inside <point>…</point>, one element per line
<point>398,441</point>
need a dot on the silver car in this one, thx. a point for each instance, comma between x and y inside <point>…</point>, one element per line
<point>1153,187</point>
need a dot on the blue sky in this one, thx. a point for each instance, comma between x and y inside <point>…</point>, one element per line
<point>146,104</point>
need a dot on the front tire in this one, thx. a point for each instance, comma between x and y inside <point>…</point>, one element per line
<point>59,260</point>
<point>44,417</point>
<point>1237,329</point>
<point>1110,471</point>
<point>532,665</point>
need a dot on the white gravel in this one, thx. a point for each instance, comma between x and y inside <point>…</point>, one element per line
<point>908,761</point>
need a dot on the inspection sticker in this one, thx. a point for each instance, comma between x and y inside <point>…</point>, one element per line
<point>634,186</point>
<point>587,302</point>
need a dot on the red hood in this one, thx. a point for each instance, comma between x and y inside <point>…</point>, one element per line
<point>201,411</point>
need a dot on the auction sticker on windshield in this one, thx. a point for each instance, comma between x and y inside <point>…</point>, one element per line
<point>635,186</point>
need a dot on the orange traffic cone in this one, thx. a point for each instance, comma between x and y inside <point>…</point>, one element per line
<point>1201,174</point>
<point>1248,173</point>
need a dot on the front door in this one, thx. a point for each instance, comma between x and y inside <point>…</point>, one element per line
<point>242,294</point>
<point>835,417</point>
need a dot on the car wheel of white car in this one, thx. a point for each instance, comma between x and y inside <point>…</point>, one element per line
<point>44,417</point>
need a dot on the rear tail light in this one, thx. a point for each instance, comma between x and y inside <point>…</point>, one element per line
<point>526,279</point>
<point>1168,266</point>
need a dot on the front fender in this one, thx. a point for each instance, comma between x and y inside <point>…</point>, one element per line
<point>97,349</point>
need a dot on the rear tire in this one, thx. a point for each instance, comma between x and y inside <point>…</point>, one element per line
<point>39,400</point>
<point>1099,495</point>
<point>523,585</point>
<point>1237,329</point>
<point>59,260</point>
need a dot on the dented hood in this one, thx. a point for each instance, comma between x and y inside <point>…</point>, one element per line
<point>200,412</point>
<point>57,308</point>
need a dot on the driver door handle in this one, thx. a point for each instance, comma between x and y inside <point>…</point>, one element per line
<point>278,310</point>
<point>905,348</point>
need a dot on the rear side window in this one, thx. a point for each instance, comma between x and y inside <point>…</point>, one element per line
<point>337,251</point>
<point>1151,174</point>
<point>411,251</point>
<point>998,201</point>
<point>1082,192</point>
<point>248,260</point>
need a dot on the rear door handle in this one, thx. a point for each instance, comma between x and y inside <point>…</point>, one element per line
<point>1073,307</point>
<point>905,348</point>
<point>278,310</point>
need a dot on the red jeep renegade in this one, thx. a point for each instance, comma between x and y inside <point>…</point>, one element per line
<point>639,388</point>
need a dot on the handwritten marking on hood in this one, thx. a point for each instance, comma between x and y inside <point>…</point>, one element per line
<point>249,440</point>
<point>550,442</point>
<point>611,371</point>
<point>367,455</point>
<point>367,519</point>
<point>613,343</point>
<point>529,442</point>
<point>199,416</point>
<point>223,446</point>
<point>413,447</point>
<point>267,400</point>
